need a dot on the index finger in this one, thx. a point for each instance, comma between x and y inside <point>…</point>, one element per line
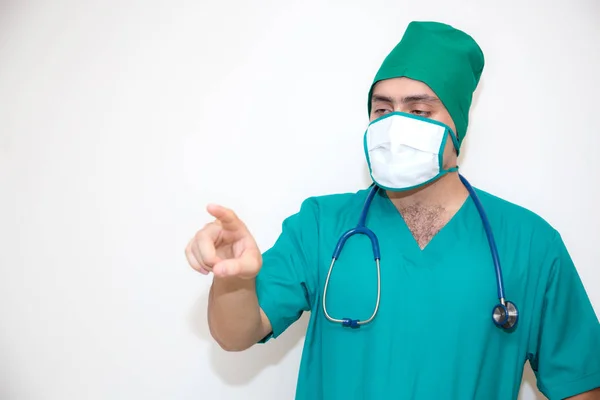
<point>228,219</point>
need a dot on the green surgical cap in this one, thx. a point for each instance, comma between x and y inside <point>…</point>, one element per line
<point>446,59</point>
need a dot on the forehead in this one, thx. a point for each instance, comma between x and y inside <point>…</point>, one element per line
<point>398,87</point>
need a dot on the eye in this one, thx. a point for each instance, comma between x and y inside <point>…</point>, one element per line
<point>421,113</point>
<point>381,111</point>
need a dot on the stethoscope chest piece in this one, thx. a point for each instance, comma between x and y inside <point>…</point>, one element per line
<point>505,315</point>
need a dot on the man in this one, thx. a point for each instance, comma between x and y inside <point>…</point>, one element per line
<point>432,335</point>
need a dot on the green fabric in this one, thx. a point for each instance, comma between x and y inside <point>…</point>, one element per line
<point>433,337</point>
<point>448,60</point>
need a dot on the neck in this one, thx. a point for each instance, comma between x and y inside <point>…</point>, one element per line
<point>447,193</point>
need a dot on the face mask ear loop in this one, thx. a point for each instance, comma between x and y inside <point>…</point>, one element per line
<point>455,141</point>
<point>455,144</point>
<point>447,171</point>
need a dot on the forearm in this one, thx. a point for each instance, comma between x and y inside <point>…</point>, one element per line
<point>235,319</point>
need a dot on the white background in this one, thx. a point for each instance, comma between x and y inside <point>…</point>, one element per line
<point>120,121</point>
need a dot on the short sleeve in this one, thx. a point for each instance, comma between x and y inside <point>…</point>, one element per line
<point>285,284</point>
<point>565,352</point>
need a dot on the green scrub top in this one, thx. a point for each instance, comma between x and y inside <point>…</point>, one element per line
<point>433,337</point>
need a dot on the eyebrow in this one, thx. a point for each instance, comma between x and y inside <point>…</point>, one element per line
<point>416,98</point>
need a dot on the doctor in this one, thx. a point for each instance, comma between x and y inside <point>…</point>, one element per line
<point>443,292</point>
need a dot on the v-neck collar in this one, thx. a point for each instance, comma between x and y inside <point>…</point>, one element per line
<point>438,245</point>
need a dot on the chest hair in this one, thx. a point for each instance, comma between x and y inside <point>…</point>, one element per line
<point>424,222</point>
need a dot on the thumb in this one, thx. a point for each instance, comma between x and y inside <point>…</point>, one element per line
<point>246,266</point>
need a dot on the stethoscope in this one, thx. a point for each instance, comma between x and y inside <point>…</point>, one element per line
<point>504,314</point>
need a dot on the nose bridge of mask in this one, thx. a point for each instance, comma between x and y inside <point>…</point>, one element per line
<point>397,131</point>
<point>420,135</point>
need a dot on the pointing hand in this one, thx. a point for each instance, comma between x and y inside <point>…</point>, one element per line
<point>225,247</point>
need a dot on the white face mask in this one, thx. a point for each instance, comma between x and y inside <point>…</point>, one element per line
<point>406,151</point>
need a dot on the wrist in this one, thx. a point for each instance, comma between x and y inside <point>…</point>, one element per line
<point>228,284</point>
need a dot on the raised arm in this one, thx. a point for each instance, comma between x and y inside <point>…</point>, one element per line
<point>226,248</point>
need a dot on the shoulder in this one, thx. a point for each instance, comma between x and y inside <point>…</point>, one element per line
<point>335,205</point>
<point>518,225</point>
<point>514,214</point>
<point>325,211</point>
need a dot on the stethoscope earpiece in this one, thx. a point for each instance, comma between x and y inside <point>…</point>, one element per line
<point>505,315</point>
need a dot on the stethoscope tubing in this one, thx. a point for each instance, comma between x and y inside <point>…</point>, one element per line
<point>361,228</point>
